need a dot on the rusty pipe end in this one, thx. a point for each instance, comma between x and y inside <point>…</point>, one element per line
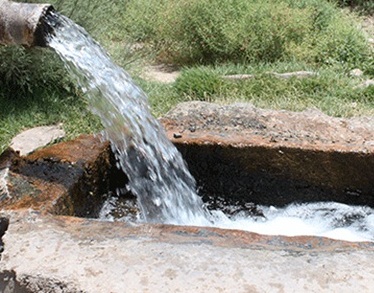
<point>43,29</point>
<point>23,23</point>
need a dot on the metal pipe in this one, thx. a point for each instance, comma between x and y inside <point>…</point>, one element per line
<point>23,23</point>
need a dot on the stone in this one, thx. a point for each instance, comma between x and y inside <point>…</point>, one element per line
<point>356,72</point>
<point>275,157</point>
<point>239,76</point>
<point>286,75</point>
<point>297,74</point>
<point>32,139</point>
<point>65,254</point>
<point>68,178</point>
<point>177,135</point>
<point>365,84</point>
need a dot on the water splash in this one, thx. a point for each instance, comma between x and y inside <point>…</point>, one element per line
<point>157,173</point>
<point>158,176</point>
<point>328,219</point>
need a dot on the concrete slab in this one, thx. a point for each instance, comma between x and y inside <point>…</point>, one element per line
<point>64,254</point>
<point>274,157</point>
<point>68,178</point>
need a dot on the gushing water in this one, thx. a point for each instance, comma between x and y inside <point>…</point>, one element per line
<point>328,219</point>
<point>157,173</point>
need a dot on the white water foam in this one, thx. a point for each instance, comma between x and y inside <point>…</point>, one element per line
<point>325,219</point>
<point>328,219</point>
<point>4,192</point>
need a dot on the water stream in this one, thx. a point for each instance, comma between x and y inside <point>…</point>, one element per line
<point>165,190</point>
<point>157,173</point>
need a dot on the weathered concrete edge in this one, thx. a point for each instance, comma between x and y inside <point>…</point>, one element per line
<point>84,162</point>
<point>102,246</point>
<point>243,140</point>
<point>84,228</point>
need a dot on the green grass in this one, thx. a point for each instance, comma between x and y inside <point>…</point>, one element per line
<point>330,90</point>
<point>208,40</point>
<point>45,109</point>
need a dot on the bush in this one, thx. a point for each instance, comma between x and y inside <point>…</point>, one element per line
<point>26,72</point>
<point>341,43</point>
<point>207,32</point>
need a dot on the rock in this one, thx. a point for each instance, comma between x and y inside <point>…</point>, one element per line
<point>68,178</point>
<point>297,74</point>
<point>275,157</point>
<point>365,84</point>
<point>286,75</point>
<point>239,76</point>
<point>32,139</point>
<point>177,135</point>
<point>356,72</point>
<point>64,254</point>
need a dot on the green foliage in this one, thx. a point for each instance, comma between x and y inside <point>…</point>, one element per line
<point>45,109</point>
<point>345,45</point>
<point>207,32</point>
<point>24,72</point>
<point>199,83</point>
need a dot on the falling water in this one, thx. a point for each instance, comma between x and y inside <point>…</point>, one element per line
<point>157,173</point>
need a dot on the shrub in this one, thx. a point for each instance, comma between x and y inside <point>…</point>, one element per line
<point>207,32</point>
<point>26,72</point>
<point>341,43</point>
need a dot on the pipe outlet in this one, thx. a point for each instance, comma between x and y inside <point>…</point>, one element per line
<point>23,23</point>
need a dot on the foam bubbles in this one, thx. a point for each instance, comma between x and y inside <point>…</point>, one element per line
<point>328,219</point>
